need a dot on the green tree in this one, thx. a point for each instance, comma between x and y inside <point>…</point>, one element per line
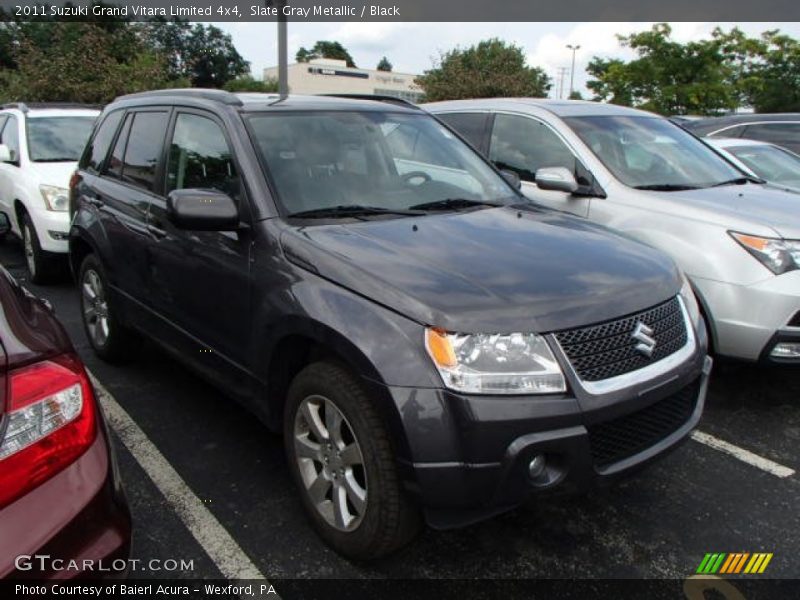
<point>59,72</point>
<point>489,69</point>
<point>575,95</point>
<point>203,54</point>
<point>325,49</point>
<point>384,65</point>
<point>765,71</point>
<point>247,83</point>
<point>666,77</point>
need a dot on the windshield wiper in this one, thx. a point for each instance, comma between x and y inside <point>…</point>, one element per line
<point>45,160</point>
<point>351,210</point>
<point>453,203</point>
<point>667,187</point>
<point>739,181</point>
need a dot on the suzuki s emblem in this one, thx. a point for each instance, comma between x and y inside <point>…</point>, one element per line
<point>643,334</point>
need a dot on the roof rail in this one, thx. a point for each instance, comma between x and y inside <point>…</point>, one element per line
<point>202,93</point>
<point>376,98</point>
<point>26,106</point>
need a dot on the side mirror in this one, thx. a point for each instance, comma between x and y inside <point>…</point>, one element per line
<point>512,178</point>
<point>202,210</point>
<point>5,154</point>
<point>5,224</point>
<point>559,179</point>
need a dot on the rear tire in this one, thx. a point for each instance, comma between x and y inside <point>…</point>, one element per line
<point>341,460</point>
<point>42,265</point>
<point>109,338</point>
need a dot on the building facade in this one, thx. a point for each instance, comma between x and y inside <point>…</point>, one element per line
<point>330,76</point>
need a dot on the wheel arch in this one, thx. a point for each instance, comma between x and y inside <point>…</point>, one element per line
<point>300,341</point>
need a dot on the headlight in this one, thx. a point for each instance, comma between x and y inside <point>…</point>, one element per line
<point>690,301</point>
<point>55,198</point>
<point>515,363</point>
<point>779,256</point>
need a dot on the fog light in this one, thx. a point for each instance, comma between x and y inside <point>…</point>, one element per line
<point>786,350</point>
<point>58,235</point>
<point>537,466</point>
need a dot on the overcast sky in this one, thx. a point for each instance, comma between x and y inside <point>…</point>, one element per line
<point>412,47</point>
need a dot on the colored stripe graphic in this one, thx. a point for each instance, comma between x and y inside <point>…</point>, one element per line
<point>733,563</point>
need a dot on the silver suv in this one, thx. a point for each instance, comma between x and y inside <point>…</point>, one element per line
<point>737,240</point>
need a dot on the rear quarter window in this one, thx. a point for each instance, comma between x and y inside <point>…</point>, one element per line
<point>99,145</point>
<point>472,126</point>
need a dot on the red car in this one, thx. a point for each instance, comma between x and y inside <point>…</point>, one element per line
<point>63,512</point>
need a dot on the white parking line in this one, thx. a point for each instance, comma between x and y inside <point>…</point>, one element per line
<point>743,455</point>
<point>230,559</point>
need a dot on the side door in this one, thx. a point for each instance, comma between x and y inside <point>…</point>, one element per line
<point>201,279</point>
<point>121,195</point>
<point>524,144</point>
<point>9,135</point>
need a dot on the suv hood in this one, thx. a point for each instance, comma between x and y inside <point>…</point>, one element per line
<point>731,205</point>
<point>494,270</point>
<point>55,173</point>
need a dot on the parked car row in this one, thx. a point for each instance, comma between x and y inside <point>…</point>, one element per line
<point>374,282</point>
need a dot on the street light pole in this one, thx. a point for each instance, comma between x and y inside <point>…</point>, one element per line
<point>572,71</point>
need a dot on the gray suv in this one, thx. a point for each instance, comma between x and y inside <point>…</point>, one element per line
<point>737,240</point>
<point>429,341</point>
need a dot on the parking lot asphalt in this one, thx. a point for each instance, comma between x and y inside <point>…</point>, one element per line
<point>658,524</point>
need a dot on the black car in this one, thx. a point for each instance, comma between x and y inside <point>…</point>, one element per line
<point>782,129</point>
<point>429,341</point>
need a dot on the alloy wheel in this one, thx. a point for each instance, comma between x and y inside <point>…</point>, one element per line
<point>330,462</point>
<point>95,307</point>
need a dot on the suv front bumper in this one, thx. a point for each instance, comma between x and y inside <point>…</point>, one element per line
<point>749,320</point>
<point>471,455</point>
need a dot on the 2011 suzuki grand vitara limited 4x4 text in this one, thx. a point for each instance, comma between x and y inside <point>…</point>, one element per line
<point>430,342</point>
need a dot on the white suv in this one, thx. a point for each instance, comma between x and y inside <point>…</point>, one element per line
<point>39,149</point>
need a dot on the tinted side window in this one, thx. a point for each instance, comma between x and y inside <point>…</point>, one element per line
<point>10,136</point>
<point>783,134</point>
<point>523,145</point>
<point>97,150</point>
<point>199,157</point>
<point>145,141</point>
<point>114,166</point>
<point>470,125</point>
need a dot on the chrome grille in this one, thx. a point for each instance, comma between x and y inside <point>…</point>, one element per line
<point>605,350</point>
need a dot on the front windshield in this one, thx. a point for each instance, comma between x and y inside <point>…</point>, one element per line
<point>771,163</point>
<point>390,161</point>
<point>58,139</point>
<point>650,152</point>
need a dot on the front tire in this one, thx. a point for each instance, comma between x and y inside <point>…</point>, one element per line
<point>111,341</point>
<point>343,465</point>
<point>42,267</point>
